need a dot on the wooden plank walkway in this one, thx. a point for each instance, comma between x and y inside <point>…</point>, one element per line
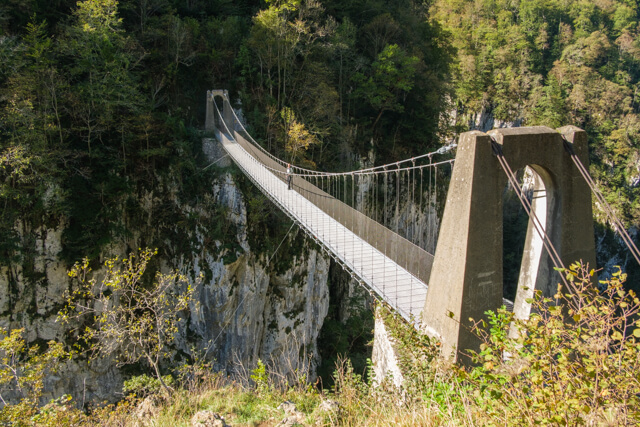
<point>395,285</point>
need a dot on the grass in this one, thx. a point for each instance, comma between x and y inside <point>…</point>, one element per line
<point>355,403</point>
<point>582,371</point>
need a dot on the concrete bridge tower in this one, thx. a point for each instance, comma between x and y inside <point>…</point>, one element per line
<point>466,279</point>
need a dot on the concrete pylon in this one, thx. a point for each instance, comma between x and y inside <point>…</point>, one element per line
<point>466,279</point>
<point>227,114</point>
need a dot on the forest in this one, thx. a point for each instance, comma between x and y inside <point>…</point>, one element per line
<point>102,101</point>
<point>99,98</point>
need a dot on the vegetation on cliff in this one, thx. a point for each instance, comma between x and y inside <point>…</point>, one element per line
<point>553,63</point>
<point>574,362</point>
<point>100,106</point>
<point>100,99</point>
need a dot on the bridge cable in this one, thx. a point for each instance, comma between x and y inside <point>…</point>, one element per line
<point>413,225</point>
<point>376,196</point>
<point>395,236</point>
<point>420,238</point>
<point>211,164</point>
<point>362,172</point>
<point>442,150</point>
<point>429,231</point>
<point>435,203</point>
<point>406,232</point>
<point>551,250</point>
<point>413,205</point>
<point>372,205</point>
<point>619,227</point>
<point>384,271</point>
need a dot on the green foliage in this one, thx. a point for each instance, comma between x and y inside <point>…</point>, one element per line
<point>260,377</point>
<point>23,369</point>
<point>142,386</point>
<point>574,361</point>
<point>347,337</point>
<point>342,72</point>
<point>96,109</point>
<point>297,138</point>
<point>426,377</point>
<point>347,382</point>
<point>392,75</point>
<point>59,412</point>
<point>126,318</point>
<point>86,129</point>
<point>99,99</point>
<point>553,64</point>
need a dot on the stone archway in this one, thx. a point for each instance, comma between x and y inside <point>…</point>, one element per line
<point>466,279</point>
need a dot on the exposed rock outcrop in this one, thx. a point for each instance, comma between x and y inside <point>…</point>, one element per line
<point>246,308</point>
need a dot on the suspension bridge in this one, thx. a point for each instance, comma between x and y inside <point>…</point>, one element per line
<point>382,225</point>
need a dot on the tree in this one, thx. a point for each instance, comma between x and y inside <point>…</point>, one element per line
<point>282,38</point>
<point>105,91</point>
<point>298,138</point>
<point>390,78</point>
<point>22,372</point>
<point>32,141</point>
<point>125,317</point>
<point>343,43</point>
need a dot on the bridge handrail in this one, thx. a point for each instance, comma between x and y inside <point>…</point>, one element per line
<point>377,235</point>
<point>360,172</point>
<point>375,169</point>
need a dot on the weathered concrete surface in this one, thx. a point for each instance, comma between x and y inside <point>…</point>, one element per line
<point>210,118</point>
<point>466,279</point>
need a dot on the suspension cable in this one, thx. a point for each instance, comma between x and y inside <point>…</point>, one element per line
<point>603,202</point>
<point>362,172</point>
<point>442,150</point>
<point>551,250</point>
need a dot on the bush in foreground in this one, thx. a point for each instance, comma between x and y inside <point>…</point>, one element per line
<point>575,361</point>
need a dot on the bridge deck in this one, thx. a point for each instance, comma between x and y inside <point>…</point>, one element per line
<point>391,282</point>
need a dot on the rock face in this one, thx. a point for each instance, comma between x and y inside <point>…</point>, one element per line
<point>245,313</point>
<point>247,309</point>
<point>207,419</point>
<point>384,358</point>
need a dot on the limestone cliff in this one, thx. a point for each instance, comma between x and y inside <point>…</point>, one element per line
<point>252,304</point>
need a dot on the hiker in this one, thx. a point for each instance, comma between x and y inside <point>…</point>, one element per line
<point>289,176</point>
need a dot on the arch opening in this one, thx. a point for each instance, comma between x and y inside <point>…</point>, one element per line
<point>515,222</point>
<point>219,102</point>
<point>532,268</point>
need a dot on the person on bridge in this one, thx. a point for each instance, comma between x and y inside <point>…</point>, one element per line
<point>289,176</point>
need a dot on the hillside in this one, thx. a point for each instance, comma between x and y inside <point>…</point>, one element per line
<point>102,153</point>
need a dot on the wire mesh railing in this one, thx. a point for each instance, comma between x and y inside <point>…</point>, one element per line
<point>333,227</point>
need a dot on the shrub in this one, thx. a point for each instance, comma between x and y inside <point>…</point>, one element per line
<point>128,319</point>
<point>576,360</point>
<point>143,385</point>
<point>23,369</point>
<point>260,377</point>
